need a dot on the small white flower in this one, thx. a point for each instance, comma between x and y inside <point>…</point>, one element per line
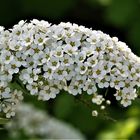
<point>92,61</point>
<point>90,87</point>
<point>80,57</point>
<point>60,74</point>
<point>48,72</point>
<point>118,95</point>
<point>40,39</point>
<point>108,102</point>
<point>94,113</point>
<point>70,50</point>
<point>6,57</point>
<point>97,99</point>
<point>1,28</point>
<point>74,89</point>
<point>74,42</point>
<point>70,72</point>
<point>15,46</point>
<point>125,102</point>
<point>102,107</point>
<point>27,38</point>
<point>33,88</point>
<point>99,73</point>
<point>53,63</point>
<point>81,68</point>
<point>58,52</point>
<point>13,67</point>
<point>66,60</point>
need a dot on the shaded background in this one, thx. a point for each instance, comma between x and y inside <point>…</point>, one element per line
<point>119,18</point>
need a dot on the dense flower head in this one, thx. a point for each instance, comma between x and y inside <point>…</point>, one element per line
<point>34,122</point>
<point>49,58</point>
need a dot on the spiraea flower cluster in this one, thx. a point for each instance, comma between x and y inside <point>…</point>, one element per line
<point>9,98</point>
<point>34,122</point>
<point>49,58</point>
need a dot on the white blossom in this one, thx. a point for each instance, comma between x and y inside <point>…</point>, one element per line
<point>34,122</point>
<point>97,99</point>
<point>49,58</point>
<point>94,113</point>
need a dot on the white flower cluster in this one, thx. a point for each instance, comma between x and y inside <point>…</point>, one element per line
<point>9,98</point>
<point>48,58</point>
<point>34,122</point>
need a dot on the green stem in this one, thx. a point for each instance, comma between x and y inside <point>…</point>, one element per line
<point>17,84</point>
<point>80,99</point>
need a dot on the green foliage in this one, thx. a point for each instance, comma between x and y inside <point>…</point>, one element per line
<point>64,106</point>
<point>120,12</point>
<point>127,128</point>
<point>134,36</point>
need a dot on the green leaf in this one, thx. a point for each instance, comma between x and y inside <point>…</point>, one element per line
<point>64,105</point>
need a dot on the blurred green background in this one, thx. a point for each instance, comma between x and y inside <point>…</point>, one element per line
<point>119,18</point>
